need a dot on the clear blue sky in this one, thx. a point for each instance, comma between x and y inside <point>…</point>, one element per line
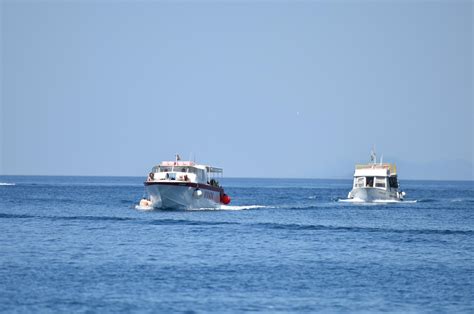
<point>264,89</point>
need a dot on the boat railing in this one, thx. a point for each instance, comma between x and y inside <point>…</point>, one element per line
<point>391,167</point>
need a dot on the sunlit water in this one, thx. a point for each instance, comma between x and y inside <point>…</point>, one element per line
<point>72,244</point>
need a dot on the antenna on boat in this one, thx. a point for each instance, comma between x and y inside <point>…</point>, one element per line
<point>381,159</point>
<point>373,155</point>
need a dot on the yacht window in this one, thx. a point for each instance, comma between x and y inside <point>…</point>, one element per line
<point>393,182</point>
<point>165,169</point>
<point>380,182</point>
<point>201,175</point>
<point>369,182</point>
<point>359,182</point>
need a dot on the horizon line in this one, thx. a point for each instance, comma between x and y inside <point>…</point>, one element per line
<point>274,178</point>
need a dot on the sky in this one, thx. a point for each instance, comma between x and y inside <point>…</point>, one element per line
<point>261,88</point>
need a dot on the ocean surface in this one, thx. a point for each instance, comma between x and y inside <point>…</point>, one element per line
<point>77,244</point>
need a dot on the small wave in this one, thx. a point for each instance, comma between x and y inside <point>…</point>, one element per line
<point>462,200</point>
<point>290,207</point>
<point>427,200</point>
<point>13,216</point>
<point>298,207</point>
<point>162,222</point>
<point>362,229</point>
<point>89,218</point>
<point>6,184</point>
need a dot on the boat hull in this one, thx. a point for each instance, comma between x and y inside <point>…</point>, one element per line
<point>181,195</point>
<point>374,194</point>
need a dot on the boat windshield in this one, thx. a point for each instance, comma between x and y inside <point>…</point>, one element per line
<point>393,182</point>
<point>359,182</point>
<point>160,169</point>
<point>203,174</point>
<point>174,169</point>
<point>380,182</point>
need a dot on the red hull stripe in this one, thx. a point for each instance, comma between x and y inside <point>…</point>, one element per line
<point>190,184</point>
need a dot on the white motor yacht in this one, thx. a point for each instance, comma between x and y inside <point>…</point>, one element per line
<point>376,182</point>
<point>185,185</point>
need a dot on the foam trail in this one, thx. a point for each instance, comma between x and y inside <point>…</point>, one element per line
<point>351,200</point>
<point>221,207</point>
<point>242,207</point>
<point>387,201</point>
<point>231,207</point>
<point>6,184</point>
<point>360,201</point>
<point>143,208</point>
<point>394,201</point>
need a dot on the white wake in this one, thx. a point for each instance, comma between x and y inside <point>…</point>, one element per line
<point>221,207</point>
<point>230,207</point>
<point>6,184</point>
<point>361,201</point>
<point>143,208</point>
<point>242,207</point>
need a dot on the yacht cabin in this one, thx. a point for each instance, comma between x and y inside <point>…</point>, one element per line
<point>186,171</point>
<point>380,176</point>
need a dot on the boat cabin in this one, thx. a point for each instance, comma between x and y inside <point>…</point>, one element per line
<point>186,171</point>
<point>381,176</point>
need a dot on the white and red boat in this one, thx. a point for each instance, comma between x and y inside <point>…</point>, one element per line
<point>185,185</point>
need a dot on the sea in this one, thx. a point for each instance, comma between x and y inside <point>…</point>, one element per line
<point>78,244</point>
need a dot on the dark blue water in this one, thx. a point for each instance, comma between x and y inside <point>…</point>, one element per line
<point>76,244</point>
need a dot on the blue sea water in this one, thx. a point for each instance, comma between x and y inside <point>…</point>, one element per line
<point>77,244</point>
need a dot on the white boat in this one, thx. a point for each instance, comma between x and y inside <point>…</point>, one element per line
<point>185,185</point>
<point>375,182</point>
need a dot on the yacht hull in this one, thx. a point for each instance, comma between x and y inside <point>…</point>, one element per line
<point>181,195</point>
<point>374,194</point>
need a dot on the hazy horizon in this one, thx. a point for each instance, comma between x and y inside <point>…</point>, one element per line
<point>224,177</point>
<point>264,90</point>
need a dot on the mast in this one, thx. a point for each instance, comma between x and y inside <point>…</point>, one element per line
<point>373,155</point>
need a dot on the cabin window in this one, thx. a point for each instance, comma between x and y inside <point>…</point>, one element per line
<point>380,182</point>
<point>369,182</point>
<point>359,182</point>
<point>201,175</point>
<point>393,182</point>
